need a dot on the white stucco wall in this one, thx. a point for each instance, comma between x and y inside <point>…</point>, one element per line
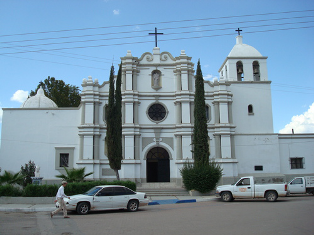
<point>298,145</point>
<point>258,149</point>
<point>33,134</point>
<point>258,95</point>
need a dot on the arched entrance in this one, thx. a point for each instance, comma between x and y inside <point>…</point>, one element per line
<point>158,165</point>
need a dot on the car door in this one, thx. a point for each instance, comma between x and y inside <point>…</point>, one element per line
<point>103,199</point>
<point>243,189</point>
<point>297,186</point>
<point>120,198</point>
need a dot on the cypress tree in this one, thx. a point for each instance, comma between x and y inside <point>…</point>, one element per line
<point>200,133</point>
<point>118,124</point>
<point>114,123</point>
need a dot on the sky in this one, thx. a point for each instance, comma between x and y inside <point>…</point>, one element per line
<point>73,39</point>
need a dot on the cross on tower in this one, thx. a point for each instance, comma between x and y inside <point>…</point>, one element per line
<point>238,30</point>
<point>155,35</point>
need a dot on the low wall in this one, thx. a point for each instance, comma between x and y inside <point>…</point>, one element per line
<point>27,200</point>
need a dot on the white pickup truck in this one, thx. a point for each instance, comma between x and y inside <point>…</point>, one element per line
<point>301,185</point>
<point>246,188</point>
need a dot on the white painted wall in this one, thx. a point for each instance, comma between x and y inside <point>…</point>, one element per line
<point>298,145</point>
<point>30,134</point>
<point>258,149</point>
<point>259,95</point>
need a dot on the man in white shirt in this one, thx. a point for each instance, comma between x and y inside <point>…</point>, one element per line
<point>59,197</point>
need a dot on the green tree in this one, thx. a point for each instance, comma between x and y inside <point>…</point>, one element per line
<point>64,95</point>
<point>202,178</point>
<point>200,132</point>
<point>114,123</point>
<point>204,174</point>
<point>118,124</point>
<point>28,171</point>
<point>11,178</point>
<point>74,175</point>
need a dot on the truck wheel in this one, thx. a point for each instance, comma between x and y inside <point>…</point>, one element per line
<point>82,208</point>
<point>226,197</point>
<point>271,196</point>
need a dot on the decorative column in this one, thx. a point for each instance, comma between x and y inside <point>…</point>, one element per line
<point>178,80</point>
<point>186,147</point>
<point>178,147</point>
<point>129,147</point>
<point>137,147</point>
<point>96,147</point>
<point>178,113</point>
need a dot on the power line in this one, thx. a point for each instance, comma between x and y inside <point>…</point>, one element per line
<point>163,22</point>
<point>54,62</point>
<point>141,36</point>
<point>173,39</point>
<point>163,29</point>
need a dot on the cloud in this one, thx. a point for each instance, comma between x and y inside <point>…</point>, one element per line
<point>303,123</point>
<point>19,96</point>
<point>137,28</point>
<point>116,12</point>
<point>209,77</point>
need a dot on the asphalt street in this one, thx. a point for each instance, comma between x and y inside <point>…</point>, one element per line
<point>289,215</point>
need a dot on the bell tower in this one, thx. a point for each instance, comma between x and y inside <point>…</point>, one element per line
<point>244,63</point>
<point>245,71</point>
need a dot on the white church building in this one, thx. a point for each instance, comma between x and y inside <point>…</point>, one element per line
<point>158,105</point>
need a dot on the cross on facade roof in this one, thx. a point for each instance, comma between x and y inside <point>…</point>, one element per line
<point>238,30</point>
<point>155,35</point>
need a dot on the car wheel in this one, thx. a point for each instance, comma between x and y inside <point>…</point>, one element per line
<point>271,196</point>
<point>133,205</point>
<point>82,208</point>
<point>226,197</point>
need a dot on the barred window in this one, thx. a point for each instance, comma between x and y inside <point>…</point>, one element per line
<point>297,163</point>
<point>64,160</point>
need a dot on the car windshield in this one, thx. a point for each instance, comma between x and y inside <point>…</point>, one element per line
<point>92,191</point>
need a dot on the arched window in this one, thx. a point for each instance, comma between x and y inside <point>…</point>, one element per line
<point>256,71</point>
<point>226,70</point>
<point>250,109</point>
<point>240,73</point>
<point>208,113</point>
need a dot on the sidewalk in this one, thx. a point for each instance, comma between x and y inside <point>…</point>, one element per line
<point>158,200</point>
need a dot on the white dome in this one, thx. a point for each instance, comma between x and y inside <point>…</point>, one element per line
<point>39,101</point>
<point>243,50</point>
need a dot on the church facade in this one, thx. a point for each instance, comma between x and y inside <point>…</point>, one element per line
<point>157,108</point>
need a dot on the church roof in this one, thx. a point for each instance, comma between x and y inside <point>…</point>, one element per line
<point>243,50</point>
<point>39,101</point>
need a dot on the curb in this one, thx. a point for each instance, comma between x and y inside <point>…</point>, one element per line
<point>38,208</point>
<point>27,210</point>
<point>175,201</point>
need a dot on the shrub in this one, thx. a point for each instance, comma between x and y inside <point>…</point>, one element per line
<point>10,191</point>
<point>33,190</point>
<point>202,178</point>
<point>74,175</point>
<point>11,178</point>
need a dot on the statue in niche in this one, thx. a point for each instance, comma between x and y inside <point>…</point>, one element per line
<point>156,80</point>
<point>37,169</point>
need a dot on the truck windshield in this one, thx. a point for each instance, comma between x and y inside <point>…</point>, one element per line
<point>92,191</point>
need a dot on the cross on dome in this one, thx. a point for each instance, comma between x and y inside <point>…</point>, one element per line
<point>238,30</point>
